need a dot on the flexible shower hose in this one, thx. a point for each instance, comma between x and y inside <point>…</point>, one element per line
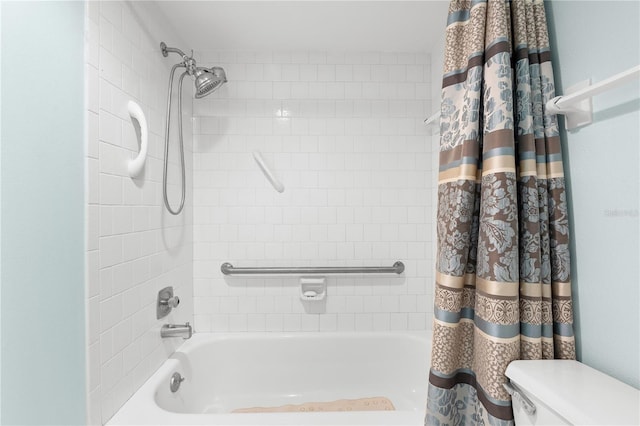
<point>166,143</point>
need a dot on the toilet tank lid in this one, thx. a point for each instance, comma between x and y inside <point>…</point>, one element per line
<point>577,392</point>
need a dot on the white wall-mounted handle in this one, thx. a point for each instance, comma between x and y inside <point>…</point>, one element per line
<point>576,103</point>
<point>137,116</point>
<point>277,185</point>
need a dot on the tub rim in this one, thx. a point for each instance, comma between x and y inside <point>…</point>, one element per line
<point>142,409</point>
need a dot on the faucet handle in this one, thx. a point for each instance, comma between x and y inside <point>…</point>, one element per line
<point>173,302</point>
<point>166,302</point>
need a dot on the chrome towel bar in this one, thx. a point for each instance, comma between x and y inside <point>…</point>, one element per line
<point>397,268</point>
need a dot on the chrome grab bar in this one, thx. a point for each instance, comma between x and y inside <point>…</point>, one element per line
<point>527,405</point>
<point>397,268</point>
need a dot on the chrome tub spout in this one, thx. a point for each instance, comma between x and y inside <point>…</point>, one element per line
<point>177,330</point>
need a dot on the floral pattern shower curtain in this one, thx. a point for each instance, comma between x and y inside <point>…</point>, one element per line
<point>503,286</point>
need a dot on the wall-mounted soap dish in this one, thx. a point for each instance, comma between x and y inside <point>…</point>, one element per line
<point>313,294</point>
<point>313,289</point>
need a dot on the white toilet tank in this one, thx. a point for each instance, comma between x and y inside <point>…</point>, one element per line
<point>570,393</point>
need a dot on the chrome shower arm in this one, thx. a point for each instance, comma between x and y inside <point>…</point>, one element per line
<point>166,50</point>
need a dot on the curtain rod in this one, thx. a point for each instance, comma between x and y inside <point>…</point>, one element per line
<point>432,119</point>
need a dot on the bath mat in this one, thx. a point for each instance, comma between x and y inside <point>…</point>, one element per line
<point>376,403</point>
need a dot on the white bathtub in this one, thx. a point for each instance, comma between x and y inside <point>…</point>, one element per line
<point>224,372</point>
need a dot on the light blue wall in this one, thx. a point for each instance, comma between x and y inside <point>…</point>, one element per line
<point>597,39</point>
<point>42,214</point>
<point>0,216</point>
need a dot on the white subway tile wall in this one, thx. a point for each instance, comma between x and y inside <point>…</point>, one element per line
<point>342,130</point>
<point>344,133</point>
<point>134,247</point>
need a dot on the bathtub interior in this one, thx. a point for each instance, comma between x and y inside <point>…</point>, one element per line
<point>235,373</point>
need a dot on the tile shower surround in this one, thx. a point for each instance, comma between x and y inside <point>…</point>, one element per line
<point>342,130</point>
<point>344,133</point>
<point>134,247</point>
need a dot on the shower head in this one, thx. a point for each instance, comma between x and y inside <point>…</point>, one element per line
<point>208,80</point>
